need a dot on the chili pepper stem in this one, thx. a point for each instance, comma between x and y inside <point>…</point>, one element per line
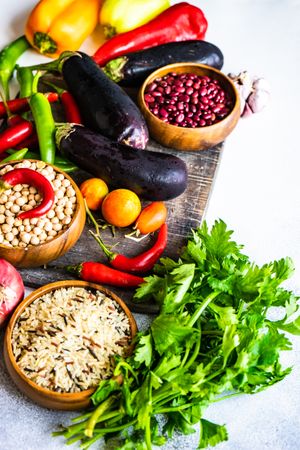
<point>56,65</point>
<point>110,255</point>
<point>74,269</point>
<point>4,186</point>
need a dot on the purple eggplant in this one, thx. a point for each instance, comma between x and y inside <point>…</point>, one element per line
<point>133,68</point>
<point>105,107</point>
<point>151,175</point>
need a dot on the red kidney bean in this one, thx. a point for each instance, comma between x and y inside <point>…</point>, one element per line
<point>187,100</point>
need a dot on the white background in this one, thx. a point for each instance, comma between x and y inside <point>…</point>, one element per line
<point>256,193</point>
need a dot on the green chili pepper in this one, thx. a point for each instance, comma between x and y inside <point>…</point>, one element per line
<point>25,79</point>
<point>16,155</point>
<point>60,162</point>
<point>45,126</point>
<point>8,58</point>
<point>66,167</point>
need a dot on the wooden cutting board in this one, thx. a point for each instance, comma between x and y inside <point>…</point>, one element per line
<point>184,213</point>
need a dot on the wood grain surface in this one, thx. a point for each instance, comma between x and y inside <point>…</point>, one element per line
<point>184,212</point>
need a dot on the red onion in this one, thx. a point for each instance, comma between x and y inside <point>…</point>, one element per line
<point>11,290</point>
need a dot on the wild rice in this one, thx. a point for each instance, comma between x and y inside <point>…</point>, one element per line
<point>65,340</point>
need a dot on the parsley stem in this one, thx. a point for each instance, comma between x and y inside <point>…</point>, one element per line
<point>148,433</point>
<point>96,415</point>
<point>196,349</point>
<point>173,408</point>
<point>202,307</point>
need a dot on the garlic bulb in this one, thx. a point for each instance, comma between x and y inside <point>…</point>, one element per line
<point>254,92</point>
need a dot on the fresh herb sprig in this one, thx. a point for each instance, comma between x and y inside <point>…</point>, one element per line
<point>213,338</point>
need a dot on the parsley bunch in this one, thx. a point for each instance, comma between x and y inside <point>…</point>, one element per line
<point>212,338</point>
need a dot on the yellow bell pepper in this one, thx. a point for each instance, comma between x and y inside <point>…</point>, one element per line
<point>119,16</point>
<point>54,26</point>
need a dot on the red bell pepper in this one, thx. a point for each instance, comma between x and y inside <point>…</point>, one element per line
<point>181,22</point>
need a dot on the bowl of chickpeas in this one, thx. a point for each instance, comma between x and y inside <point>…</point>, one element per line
<point>32,242</point>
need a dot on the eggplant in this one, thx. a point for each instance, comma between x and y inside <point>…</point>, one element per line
<point>105,107</point>
<point>151,175</point>
<point>133,68</point>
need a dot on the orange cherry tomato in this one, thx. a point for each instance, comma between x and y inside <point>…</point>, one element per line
<point>151,218</point>
<point>94,190</point>
<point>121,207</point>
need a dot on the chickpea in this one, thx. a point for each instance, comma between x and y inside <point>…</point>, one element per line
<point>45,172</point>
<point>50,169</point>
<point>17,222</point>
<point>48,226</point>
<point>34,240</point>
<point>1,238</point>
<point>51,177</point>
<point>56,183</point>
<point>27,208</point>
<point>37,197</point>
<point>26,221</point>
<point>62,201</point>
<point>52,233</point>
<point>15,231</point>
<point>32,203</point>
<point>68,211</point>
<point>37,231</point>
<point>43,236</point>
<point>51,214</point>
<point>8,244</point>
<point>12,198</point>
<point>21,228</point>
<point>60,176</point>
<point>8,204</point>
<point>73,200</point>
<point>2,218</point>
<point>18,195</point>
<point>57,226</point>
<point>3,199</point>
<point>10,221</point>
<point>33,221</point>
<point>55,220</point>
<point>15,208</point>
<point>9,236</point>
<point>8,213</point>
<point>2,209</point>
<point>60,215</point>
<point>41,165</point>
<point>25,237</point>
<point>27,228</point>
<point>70,192</point>
<point>6,228</point>
<point>15,242</point>
<point>22,244</point>
<point>32,190</point>
<point>66,220</point>
<point>31,197</point>
<point>21,201</point>
<point>66,182</point>
<point>41,222</point>
<point>18,187</point>
<point>59,194</point>
<point>25,192</point>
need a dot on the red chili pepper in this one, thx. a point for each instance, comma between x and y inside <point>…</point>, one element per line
<point>15,134</point>
<point>99,273</point>
<point>71,109</point>
<point>20,105</point>
<point>14,119</point>
<point>141,263</point>
<point>70,106</point>
<point>33,178</point>
<point>31,142</point>
<point>181,22</point>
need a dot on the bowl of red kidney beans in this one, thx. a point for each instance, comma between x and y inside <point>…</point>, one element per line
<point>189,106</point>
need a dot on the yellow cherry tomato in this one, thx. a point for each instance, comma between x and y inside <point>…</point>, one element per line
<point>94,191</point>
<point>121,207</point>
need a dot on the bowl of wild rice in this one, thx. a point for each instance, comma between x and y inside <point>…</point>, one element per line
<point>37,241</point>
<point>62,341</point>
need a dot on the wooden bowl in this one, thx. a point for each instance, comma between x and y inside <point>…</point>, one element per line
<point>40,395</point>
<point>181,138</point>
<point>37,255</point>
